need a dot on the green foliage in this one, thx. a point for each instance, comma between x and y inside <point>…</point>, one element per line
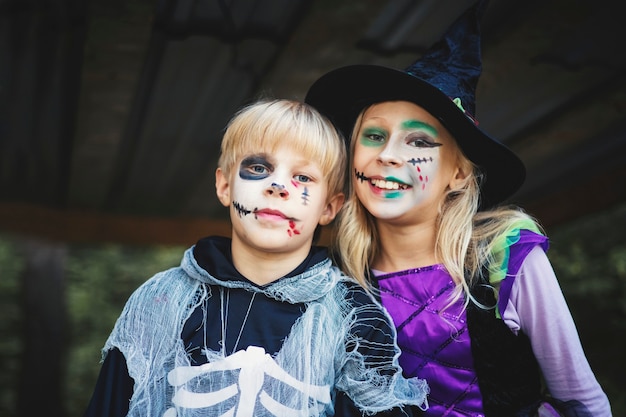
<point>10,266</point>
<point>589,258</point>
<point>100,280</point>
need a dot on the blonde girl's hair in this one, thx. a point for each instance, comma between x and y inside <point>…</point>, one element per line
<point>464,237</point>
<point>266,125</point>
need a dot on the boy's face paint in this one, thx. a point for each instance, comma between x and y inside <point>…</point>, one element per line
<point>404,160</point>
<point>277,200</point>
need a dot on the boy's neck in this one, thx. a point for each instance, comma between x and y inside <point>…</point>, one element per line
<point>263,267</point>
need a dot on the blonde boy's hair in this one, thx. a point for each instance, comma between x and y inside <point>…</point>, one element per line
<point>266,125</point>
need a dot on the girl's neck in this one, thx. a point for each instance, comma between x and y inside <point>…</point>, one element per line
<point>405,246</point>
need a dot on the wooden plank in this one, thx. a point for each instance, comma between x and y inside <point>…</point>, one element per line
<point>77,226</point>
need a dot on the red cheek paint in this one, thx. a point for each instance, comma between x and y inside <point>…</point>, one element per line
<point>295,184</point>
<point>292,229</point>
<point>423,179</point>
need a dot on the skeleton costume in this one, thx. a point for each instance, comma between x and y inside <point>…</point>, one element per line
<point>200,340</point>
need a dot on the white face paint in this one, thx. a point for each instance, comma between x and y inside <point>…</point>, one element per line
<point>404,160</point>
<point>276,200</point>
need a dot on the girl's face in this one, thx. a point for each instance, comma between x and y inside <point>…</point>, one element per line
<point>276,200</point>
<point>404,161</point>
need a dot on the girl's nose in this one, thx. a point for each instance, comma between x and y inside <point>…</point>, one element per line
<point>389,156</point>
<point>277,190</point>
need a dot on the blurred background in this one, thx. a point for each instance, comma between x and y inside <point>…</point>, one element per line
<point>112,111</point>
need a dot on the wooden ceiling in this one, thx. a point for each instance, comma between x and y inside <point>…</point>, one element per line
<point>111,112</point>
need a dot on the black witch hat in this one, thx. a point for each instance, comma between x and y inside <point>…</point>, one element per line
<point>443,81</point>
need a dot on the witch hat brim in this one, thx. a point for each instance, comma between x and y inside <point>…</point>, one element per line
<point>343,93</point>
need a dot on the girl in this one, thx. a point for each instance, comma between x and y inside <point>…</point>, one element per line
<point>476,303</point>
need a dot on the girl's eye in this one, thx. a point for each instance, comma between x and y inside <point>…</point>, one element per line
<point>422,142</point>
<point>374,135</point>
<point>303,178</point>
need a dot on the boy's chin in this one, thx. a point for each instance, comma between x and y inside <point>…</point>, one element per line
<point>278,242</point>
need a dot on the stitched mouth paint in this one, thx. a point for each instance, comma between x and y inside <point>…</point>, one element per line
<point>240,209</point>
<point>360,176</point>
<point>388,187</point>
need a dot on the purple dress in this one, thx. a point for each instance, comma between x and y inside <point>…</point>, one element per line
<point>433,335</point>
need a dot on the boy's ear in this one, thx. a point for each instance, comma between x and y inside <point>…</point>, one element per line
<point>332,208</point>
<point>222,187</point>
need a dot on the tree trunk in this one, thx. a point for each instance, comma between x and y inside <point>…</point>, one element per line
<point>40,391</point>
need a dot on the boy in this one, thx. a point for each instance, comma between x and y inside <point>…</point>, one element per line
<point>260,324</point>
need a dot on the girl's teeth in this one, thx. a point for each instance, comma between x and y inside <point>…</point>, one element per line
<point>388,185</point>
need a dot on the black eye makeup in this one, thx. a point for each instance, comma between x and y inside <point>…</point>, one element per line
<point>421,141</point>
<point>255,167</point>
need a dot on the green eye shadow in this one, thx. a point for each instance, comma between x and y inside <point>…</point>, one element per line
<point>417,125</point>
<point>366,140</point>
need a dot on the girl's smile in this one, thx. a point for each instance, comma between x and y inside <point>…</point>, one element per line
<point>404,161</point>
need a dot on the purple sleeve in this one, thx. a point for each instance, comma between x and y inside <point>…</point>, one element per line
<point>543,315</point>
<point>525,241</point>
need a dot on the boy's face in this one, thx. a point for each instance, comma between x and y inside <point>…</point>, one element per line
<point>276,200</point>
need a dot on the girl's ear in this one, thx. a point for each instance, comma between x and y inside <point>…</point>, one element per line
<point>461,173</point>
<point>222,187</point>
<point>332,208</point>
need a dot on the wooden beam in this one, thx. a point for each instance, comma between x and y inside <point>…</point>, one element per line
<point>77,226</point>
<point>566,204</point>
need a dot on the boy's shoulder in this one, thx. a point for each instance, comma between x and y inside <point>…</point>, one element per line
<point>163,287</point>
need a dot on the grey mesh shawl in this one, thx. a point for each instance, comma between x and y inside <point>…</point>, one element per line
<point>299,380</point>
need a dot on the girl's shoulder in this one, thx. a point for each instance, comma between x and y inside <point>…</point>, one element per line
<point>509,252</point>
<point>510,247</point>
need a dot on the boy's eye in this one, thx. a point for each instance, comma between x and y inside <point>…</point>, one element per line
<point>255,168</point>
<point>303,178</point>
<point>258,169</point>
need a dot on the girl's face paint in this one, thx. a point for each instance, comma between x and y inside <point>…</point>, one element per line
<point>277,200</point>
<point>404,160</point>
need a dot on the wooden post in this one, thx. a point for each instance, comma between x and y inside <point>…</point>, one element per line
<point>40,390</point>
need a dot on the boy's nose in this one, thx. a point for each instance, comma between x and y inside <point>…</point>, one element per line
<point>277,190</point>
